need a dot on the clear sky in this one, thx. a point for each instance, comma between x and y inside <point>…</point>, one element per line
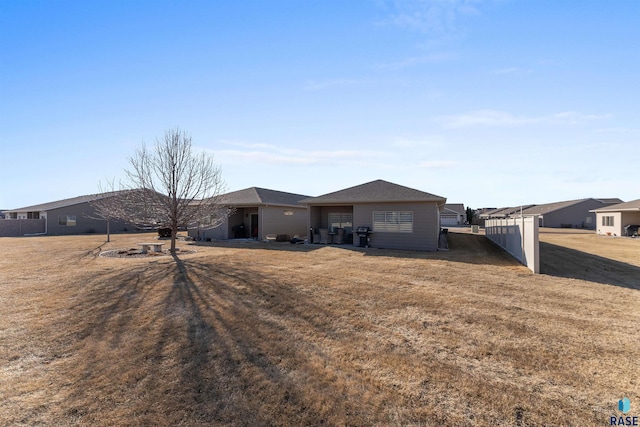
<point>485,102</point>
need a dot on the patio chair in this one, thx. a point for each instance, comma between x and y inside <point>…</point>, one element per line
<point>324,233</point>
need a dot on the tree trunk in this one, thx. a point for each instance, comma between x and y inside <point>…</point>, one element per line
<point>174,235</point>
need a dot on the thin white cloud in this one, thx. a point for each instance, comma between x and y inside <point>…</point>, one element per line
<point>433,16</point>
<point>503,118</point>
<point>274,155</point>
<point>429,142</point>
<point>618,130</point>
<point>432,58</point>
<point>575,118</point>
<point>484,118</point>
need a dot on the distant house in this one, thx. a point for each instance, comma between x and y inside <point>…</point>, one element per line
<point>569,214</point>
<point>566,214</point>
<point>611,220</point>
<point>61,217</point>
<point>398,217</point>
<point>260,214</point>
<point>453,214</point>
<point>489,213</point>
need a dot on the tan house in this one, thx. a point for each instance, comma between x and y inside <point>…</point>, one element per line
<point>377,214</point>
<point>260,214</point>
<point>611,220</point>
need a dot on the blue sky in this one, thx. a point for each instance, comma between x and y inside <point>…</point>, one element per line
<point>485,102</point>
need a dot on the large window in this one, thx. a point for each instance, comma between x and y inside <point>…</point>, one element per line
<point>607,221</point>
<point>341,220</point>
<point>67,220</point>
<point>393,221</point>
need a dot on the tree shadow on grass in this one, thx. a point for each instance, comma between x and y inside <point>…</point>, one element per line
<point>561,261</point>
<point>191,342</point>
<point>93,253</point>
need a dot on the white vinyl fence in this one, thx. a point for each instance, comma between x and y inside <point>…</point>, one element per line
<point>517,236</point>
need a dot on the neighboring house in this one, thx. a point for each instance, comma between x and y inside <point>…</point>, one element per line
<point>399,217</point>
<point>478,218</point>
<point>503,212</point>
<point>259,213</point>
<point>453,214</point>
<point>612,219</point>
<point>569,214</point>
<point>62,217</point>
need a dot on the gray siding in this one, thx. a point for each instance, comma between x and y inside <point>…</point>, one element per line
<point>274,221</point>
<point>217,233</point>
<point>574,215</point>
<point>426,227</point>
<point>84,224</point>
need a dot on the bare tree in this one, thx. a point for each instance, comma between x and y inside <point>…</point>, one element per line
<point>173,187</point>
<point>108,204</point>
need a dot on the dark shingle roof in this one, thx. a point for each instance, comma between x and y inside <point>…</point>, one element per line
<point>375,192</point>
<point>540,209</point>
<point>63,203</point>
<point>260,196</point>
<point>550,207</point>
<point>633,205</point>
<point>608,201</point>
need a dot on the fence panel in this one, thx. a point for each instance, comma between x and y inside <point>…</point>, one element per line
<point>519,237</point>
<point>21,227</point>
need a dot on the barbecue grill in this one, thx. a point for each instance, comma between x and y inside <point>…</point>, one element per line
<point>363,233</point>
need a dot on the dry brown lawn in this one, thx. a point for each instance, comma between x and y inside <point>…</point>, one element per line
<point>277,334</point>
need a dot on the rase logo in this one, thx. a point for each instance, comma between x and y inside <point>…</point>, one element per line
<point>624,406</point>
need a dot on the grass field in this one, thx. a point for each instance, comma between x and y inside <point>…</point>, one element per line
<point>276,334</point>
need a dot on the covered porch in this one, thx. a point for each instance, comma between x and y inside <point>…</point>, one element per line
<point>331,224</point>
<point>243,223</point>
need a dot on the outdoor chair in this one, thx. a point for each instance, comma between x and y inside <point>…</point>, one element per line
<point>324,233</point>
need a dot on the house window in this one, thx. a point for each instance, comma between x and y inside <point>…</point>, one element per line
<point>341,220</point>
<point>607,221</point>
<point>33,215</point>
<point>393,221</point>
<point>67,220</point>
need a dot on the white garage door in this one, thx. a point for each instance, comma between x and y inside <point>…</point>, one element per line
<point>448,220</point>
